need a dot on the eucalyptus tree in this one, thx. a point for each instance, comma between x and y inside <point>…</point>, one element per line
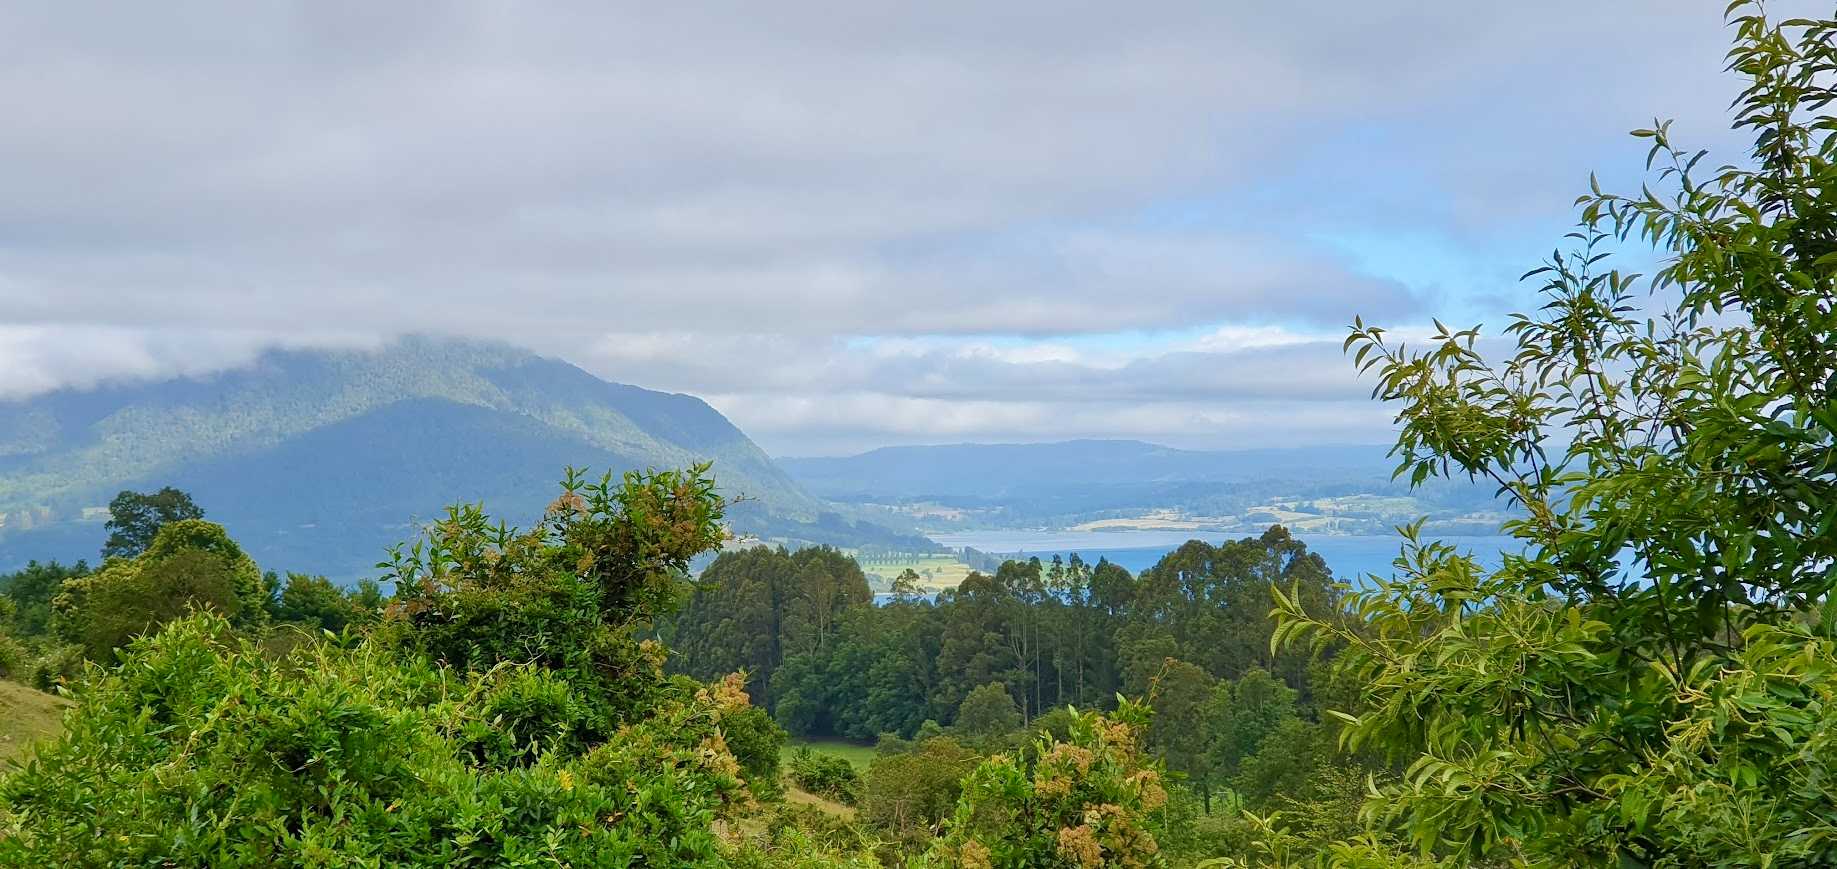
<point>1652,681</point>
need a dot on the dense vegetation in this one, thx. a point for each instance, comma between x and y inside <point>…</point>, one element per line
<point>1004,648</point>
<point>472,725</point>
<point>1651,682</point>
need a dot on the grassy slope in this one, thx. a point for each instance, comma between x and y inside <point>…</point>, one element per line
<point>25,717</point>
<point>858,755</point>
<point>800,797</point>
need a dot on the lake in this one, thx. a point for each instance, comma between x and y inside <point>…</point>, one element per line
<point>1351,556</point>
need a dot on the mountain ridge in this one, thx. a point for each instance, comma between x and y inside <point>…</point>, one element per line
<point>403,429</point>
<point>964,469</point>
<point>1119,484</point>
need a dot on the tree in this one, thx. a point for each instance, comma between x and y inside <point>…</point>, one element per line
<point>757,742</point>
<point>31,591</point>
<point>880,670</point>
<point>1572,707</point>
<point>1178,730</point>
<point>190,565</point>
<point>314,601</point>
<point>134,519</point>
<point>988,712</point>
<point>1240,716</point>
<point>1210,603</point>
<point>753,609</point>
<point>569,595</point>
<point>910,793</point>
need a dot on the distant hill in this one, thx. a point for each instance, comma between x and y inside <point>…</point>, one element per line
<point>318,460</point>
<point>1008,470</point>
<point>1058,484</point>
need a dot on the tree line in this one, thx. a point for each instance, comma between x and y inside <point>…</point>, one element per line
<point>1188,633</point>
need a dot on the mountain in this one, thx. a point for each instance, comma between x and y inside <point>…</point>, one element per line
<point>1019,470</point>
<point>962,486</point>
<point>319,460</point>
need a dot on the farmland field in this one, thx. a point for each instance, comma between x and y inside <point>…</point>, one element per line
<point>935,571</point>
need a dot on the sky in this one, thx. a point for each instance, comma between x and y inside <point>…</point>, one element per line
<point>845,225</point>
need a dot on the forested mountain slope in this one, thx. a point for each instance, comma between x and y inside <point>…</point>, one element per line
<point>320,459</point>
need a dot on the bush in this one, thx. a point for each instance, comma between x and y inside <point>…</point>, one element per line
<point>14,660</point>
<point>890,744</point>
<point>825,775</point>
<point>523,713</point>
<point>1094,800</point>
<point>908,795</point>
<point>803,837</point>
<point>192,565</point>
<point>756,741</point>
<point>315,602</point>
<point>503,714</point>
<point>569,595</point>
<point>988,712</point>
<point>200,750</point>
<point>60,665</point>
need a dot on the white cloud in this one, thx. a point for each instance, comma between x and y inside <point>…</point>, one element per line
<point>35,359</point>
<point>1047,216</point>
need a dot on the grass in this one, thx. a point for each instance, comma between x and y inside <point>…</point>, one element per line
<point>26,716</point>
<point>857,755</point>
<point>800,797</point>
<point>935,571</point>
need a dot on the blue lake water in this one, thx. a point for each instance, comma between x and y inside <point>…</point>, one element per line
<point>1350,556</point>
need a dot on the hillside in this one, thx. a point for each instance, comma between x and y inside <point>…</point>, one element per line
<point>26,716</point>
<point>318,460</point>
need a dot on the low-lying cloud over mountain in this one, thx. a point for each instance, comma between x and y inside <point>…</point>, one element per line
<point>846,226</point>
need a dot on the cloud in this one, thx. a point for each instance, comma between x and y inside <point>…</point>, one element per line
<point>1222,388</point>
<point>35,359</point>
<point>1085,211</point>
<point>854,422</point>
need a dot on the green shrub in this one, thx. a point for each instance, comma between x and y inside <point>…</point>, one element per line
<point>192,565</point>
<point>890,744</point>
<point>569,595</point>
<point>907,795</point>
<point>522,713</point>
<point>315,602</point>
<point>502,714</point>
<point>1093,800</point>
<point>14,659</point>
<point>825,775</point>
<point>987,713</point>
<point>59,665</point>
<point>803,837</point>
<point>756,741</point>
<point>200,750</point>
